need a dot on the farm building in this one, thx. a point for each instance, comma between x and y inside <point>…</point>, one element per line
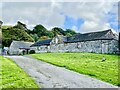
<point>96,42</point>
<point>18,47</point>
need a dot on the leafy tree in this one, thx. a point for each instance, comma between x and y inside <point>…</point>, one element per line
<point>69,32</point>
<point>10,34</point>
<point>44,38</point>
<point>35,37</point>
<point>21,26</point>
<point>40,30</point>
<point>57,30</point>
<point>20,32</point>
<point>50,34</point>
<point>6,27</point>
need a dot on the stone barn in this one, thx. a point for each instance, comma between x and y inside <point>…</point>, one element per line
<point>94,42</point>
<point>18,47</point>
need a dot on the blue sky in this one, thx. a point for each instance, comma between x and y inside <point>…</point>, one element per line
<point>80,16</point>
<point>70,22</point>
<point>112,20</point>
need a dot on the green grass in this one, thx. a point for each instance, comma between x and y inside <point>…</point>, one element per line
<point>13,76</point>
<point>85,63</point>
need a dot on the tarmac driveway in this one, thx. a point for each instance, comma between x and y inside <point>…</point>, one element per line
<point>50,76</point>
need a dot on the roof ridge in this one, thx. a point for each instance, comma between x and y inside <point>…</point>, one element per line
<point>98,31</point>
<point>22,41</point>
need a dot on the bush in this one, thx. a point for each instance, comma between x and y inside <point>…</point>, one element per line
<point>32,52</point>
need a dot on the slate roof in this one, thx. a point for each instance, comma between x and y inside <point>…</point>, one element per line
<point>42,42</point>
<point>21,44</point>
<point>100,35</point>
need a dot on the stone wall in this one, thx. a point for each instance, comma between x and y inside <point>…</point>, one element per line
<point>97,46</point>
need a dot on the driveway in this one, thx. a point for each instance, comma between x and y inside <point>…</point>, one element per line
<point>50,76</point>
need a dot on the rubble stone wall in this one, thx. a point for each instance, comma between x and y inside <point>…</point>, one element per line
<point>97,46</point>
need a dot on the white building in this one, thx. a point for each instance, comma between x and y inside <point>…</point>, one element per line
<point>17,47</point>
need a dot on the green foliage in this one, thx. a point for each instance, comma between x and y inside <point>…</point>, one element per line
<point>43,38</point>
<point>69,32</point>
<point>40,30</point>
<point>20,32</point>
<point>35,37</point>
<point>86,63</point>
<point>20,26</point>
<point>13,76</point>
<point>57,30</point>
<point>11,34</point>
<point>6,27</point>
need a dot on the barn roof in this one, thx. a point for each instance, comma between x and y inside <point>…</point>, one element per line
<point>100,35</point>
<point>21,44</point>
<point>42,42</point>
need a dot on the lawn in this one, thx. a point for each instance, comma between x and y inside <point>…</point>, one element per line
<point>85,63</point>
<point>13,76</point>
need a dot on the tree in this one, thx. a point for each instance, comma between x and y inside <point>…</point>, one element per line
<point>71,32</point>
<point>35,37</point>
<point>40,30</point>
<point>21,26</point>
<point>44,38</point>
<point>10,34</point>
<point>57,30</point>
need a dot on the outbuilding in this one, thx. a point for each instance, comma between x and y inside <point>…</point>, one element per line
<point>20,47</point>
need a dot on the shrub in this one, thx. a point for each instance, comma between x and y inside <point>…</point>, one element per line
<point>32,52</point>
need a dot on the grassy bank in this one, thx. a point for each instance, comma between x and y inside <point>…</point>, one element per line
<point>13,76</point>
<point>86,63</point>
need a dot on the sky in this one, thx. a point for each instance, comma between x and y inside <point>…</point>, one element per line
<point>80,16</point>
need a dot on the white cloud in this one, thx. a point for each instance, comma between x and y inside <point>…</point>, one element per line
<point>74,28</point>
<point>90,26</point>
<point>94,14</point>
<point>52,14</point>
<point>33,13</point>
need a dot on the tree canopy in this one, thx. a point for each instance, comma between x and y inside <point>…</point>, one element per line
<point>10,34</point>
<point>20,32</point>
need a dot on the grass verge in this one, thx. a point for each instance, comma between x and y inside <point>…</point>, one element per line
<point>85,63</point>
<point>13,76</point>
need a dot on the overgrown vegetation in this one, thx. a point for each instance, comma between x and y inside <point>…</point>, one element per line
<point>13,76</point>
<point>8,35</point>
<point>86,63</point>
<point>20,32</point>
